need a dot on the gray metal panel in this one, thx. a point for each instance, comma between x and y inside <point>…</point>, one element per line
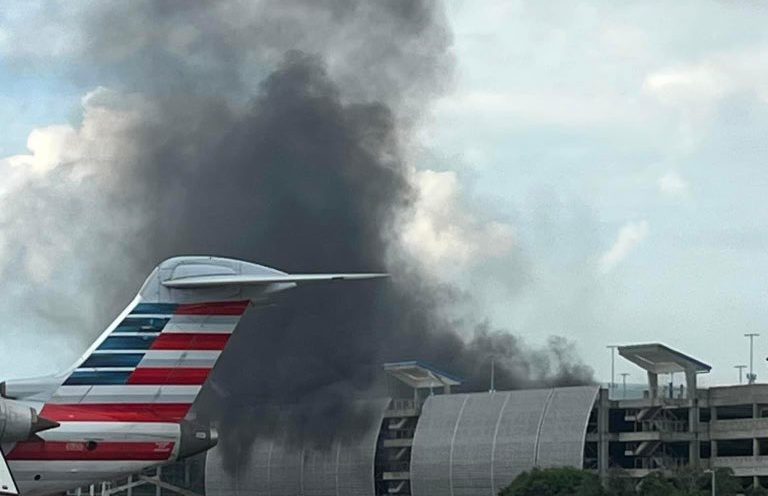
<point>518,432</point>
<point>475,444</point>
<point>216,478</point>
<point>286,473</point>
<point>273,469</point>
<point>561,441</point>
<point>432,443</point>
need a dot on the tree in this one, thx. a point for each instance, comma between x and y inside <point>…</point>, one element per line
<point>620,484</point>
<point>555,482</point>
<point>689,482</point>
<point>655,484</point>
<point>756,491</point>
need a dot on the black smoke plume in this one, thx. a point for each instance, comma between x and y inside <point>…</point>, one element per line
<point>279,135</point>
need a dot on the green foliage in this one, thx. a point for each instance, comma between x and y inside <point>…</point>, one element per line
<point>574,482</point>
<point>756,491</point>
<point>555,482</point>
<point>620,484</point>
<point>689,482</point>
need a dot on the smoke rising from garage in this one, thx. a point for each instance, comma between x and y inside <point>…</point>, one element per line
<point>277,133</point>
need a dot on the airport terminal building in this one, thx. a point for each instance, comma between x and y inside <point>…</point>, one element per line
<point>433,442</point>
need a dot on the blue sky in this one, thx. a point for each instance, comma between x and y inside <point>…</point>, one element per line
<point>604,164</point>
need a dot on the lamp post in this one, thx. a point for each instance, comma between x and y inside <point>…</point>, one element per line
<point>712,474</point>
<point>751,377</point>
<point>624,385</point>
<point>613,347</point>
<point>741,372</point>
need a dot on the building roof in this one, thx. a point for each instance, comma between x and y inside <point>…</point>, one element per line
<point>420,375</point>
<point>661,359</point>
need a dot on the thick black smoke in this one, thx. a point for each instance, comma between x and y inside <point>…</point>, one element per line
<point>305,170</point>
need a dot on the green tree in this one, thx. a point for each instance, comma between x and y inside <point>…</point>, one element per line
<point>655,484</point>
<point>555,482</point>
<point>620,484</point>
<point>756,491</point>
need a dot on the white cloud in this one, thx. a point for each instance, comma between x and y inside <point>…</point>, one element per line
<point>695,83</point>
<point>630,235</point>
<point>443,234</point>
<point>672,184</point>
<point>712,78</point>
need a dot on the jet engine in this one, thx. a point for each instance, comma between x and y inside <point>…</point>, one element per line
<point>19,422</point>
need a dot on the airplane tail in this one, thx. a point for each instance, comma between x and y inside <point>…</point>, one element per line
<point>151,362</point>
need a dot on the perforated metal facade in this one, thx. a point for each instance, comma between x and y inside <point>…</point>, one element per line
<point>273,469</point>
<point>475,444</point>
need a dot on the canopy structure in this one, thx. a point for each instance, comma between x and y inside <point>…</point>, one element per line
<point>419,375</point>
<point>656,358</point>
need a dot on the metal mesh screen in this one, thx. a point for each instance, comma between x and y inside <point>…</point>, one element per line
<point>273,469</point>
<point>475,444</point>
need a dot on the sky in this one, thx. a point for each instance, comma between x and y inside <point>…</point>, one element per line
<point>594,170</point>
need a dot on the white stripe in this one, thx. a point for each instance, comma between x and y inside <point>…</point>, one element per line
<point>149,316</point>
<point>202,323</point>
<point>113,431</point>
<point>125,394</point>
<point>170,358</point>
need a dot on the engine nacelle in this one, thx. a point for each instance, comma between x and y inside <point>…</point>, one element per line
<point>19,422</point>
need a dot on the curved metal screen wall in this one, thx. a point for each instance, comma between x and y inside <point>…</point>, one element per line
<point>272,469</point>
<point>475,444</point>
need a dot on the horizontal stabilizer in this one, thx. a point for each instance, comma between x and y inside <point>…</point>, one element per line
<point>210,281</point>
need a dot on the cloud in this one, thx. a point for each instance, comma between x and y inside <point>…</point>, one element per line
<point>694,83</point>
<point>673,185</point>
<point>444,234</point>
<point>630,235</point>
<point>711,79</point>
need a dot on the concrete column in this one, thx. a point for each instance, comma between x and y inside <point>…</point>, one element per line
<point>602,430</point>
<point>693,427</point>
<point>713,413</point>
<point>690,383</point>
<point>653,384</point>
<point>713,449</point>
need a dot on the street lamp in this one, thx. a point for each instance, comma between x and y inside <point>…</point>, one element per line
<point>751,377</point>
<point>613,347</point>
<point>624,384</point>
<point>712,474</point>
<point>741,372</point>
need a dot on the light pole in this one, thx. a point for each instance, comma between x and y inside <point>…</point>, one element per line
<point>493,374</point>
<point>613,347</point>
<point>712,474</point>
<point>741,372</point>
<point>624,385</point>
<point>751,377</point>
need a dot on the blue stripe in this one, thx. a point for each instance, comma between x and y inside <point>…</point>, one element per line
<point>113,360</point>
<point>117,342</point>
<point>161,308</point>
<point>87,378</point>
<point>142,324</point>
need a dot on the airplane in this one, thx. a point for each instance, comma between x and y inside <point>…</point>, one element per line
<point>123,406</point>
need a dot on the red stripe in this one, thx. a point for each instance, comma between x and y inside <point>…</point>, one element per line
<point>163,376</point>
<point>63,450</point>
<point>220,308</point>
<point>190,341</point>
<point>111,412</point>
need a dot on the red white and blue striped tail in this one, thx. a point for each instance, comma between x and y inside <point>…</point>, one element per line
<point>150,364</point>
